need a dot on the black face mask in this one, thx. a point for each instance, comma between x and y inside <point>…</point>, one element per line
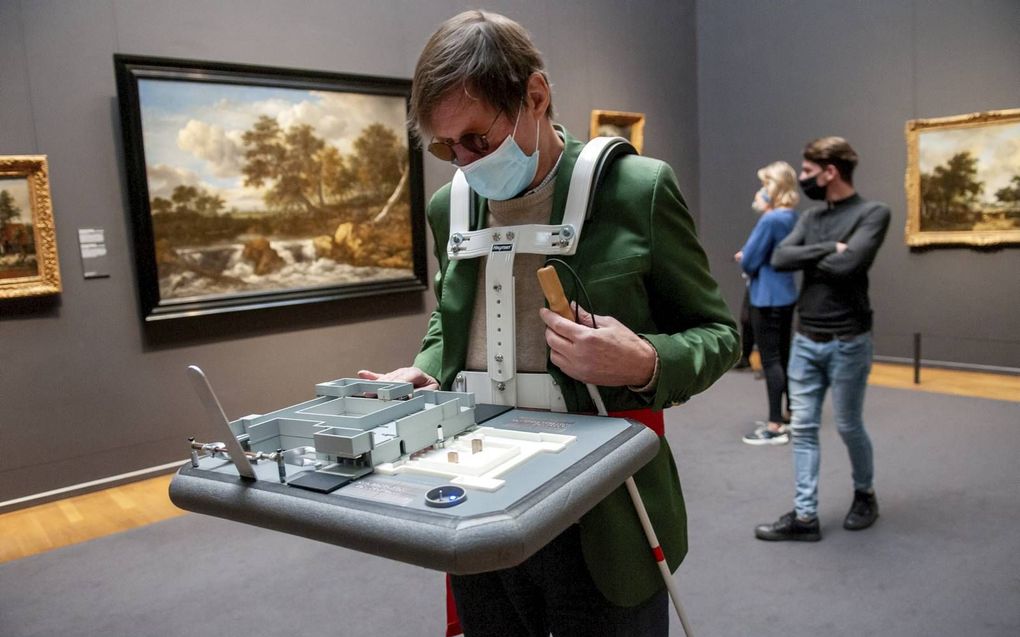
<point>811,188</point>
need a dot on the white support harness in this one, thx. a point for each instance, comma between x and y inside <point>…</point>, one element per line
<point>502,385</point>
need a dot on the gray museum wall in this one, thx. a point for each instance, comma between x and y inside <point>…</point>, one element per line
<point>772,75</point>
<point>87,390</point>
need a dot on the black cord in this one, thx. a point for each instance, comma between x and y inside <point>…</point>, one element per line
<point>584,291</point>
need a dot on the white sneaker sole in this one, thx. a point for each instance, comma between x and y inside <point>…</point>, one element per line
<point>761,442</point>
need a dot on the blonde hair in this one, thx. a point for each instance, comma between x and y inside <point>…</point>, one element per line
<point>780,182</point>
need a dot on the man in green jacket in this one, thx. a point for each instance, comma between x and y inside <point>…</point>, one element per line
<point>656,330</point>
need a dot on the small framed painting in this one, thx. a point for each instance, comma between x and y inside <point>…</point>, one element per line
<point>28,242</point>
<point>963,179</point>
<point>630,126</point>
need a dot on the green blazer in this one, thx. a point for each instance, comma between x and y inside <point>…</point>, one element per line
<point>640,261</point>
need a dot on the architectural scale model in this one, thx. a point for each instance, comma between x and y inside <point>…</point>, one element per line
<point>354,427</point>
<point>425,477</point>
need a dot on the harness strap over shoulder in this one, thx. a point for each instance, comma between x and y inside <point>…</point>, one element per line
<point>466,242</point>
<point>501,244</point>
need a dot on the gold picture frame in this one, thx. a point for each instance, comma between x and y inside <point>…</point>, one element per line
<point>630,126</point>
<point>963,179</point>
<point>28,241</point>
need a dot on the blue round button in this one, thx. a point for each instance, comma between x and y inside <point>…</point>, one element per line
<point>445,496</point>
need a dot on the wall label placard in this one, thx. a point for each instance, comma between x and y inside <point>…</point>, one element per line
<point>92,243</point>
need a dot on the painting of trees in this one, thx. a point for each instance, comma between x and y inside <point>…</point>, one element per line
<point>380,160</point>
<point>1010,194</point>
<point>8,208</point>
<point>963,179</point>
<point>17,238</point>
<point>302,173</point>
<point>289,163</point>
<point>28,244</point>
<point>285,183</point>
<point>950,194</point>
<point>308,188</point>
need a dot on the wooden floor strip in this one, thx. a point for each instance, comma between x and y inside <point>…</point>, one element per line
<point>84,517</point>
<point>947,381</point>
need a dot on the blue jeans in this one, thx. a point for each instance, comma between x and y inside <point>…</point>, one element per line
<point>814,367</point>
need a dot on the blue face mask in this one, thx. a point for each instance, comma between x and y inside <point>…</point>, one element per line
<point>763,194</point>
<point>506,171</point>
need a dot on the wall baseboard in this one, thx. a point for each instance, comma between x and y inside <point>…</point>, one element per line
<point>968,367</point>
<point>86,487</point>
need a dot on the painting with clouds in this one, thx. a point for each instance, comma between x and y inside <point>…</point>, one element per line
<point>963,182</point>
<point>264,186</point>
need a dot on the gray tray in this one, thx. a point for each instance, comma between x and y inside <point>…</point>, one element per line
<point>386,515</point>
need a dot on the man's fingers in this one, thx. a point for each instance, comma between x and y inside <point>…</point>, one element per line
<point>395,375</point>
<point>565,328</point>
<point>588,319</point>
<point>413,375</point>
<point>558,360</point>
<point>557,342</point>
<point>584,317</point>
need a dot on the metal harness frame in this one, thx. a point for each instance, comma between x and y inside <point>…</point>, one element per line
<point>503,385</point>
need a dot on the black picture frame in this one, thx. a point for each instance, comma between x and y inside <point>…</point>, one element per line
<point>326,229</point>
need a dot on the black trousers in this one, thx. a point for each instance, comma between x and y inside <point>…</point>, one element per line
<point>746,331</point>
<point>772,333</point>
<point>551,591</point>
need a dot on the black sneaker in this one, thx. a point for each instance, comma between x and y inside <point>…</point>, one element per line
<point>787,528</point>
<point>762,435</point>
<point>863,512</point>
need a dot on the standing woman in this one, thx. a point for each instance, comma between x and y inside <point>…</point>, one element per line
<point>773,294</point>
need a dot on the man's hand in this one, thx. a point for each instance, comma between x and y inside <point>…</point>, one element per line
<point>611,355</point>
<point>413,375</point>
<point>840,247</point>
<point>739,256</point>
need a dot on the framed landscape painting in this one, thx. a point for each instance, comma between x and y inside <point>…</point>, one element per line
<point>255,187</point>
<point>630,126</point>
<point>963,179</point>
<point>28,242</point>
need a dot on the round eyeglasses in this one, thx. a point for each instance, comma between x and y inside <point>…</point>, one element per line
<point>477,143</point>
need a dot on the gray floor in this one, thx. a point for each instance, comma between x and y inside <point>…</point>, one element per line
<point>944,558</point>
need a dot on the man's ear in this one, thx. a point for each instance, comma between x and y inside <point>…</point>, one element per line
<point>538,95</point>
<point>831,171</point>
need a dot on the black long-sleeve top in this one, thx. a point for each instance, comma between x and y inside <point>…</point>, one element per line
<point>834,292</point>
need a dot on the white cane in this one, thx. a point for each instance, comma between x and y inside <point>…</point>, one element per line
<point>553,290</point>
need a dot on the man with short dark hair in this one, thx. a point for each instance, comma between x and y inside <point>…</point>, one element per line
<point>481,100</point>
<point>834,245</point>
